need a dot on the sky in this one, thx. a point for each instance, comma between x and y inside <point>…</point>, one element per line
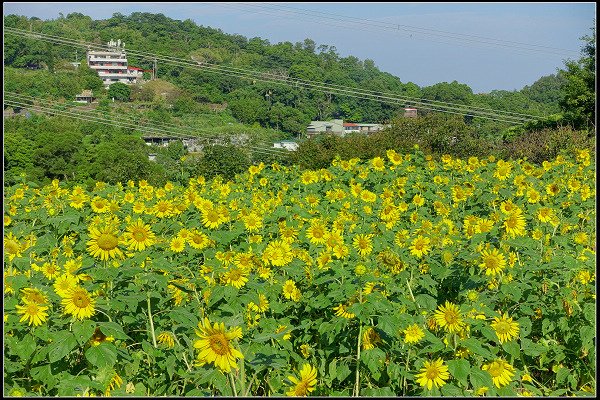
<point>488,46</point>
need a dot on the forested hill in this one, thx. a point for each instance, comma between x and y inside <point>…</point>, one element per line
<point>268,104</point>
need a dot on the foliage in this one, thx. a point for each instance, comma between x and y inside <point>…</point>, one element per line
<point>119,91</point>
<point>223,160</point>
<point>350,280</point>
<point>579,101</point>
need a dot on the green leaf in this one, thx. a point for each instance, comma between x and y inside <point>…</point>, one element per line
<point>62,344</point>
<point>103,355</point>
<point>426,301</point>
<point>525,326</point>
<point>561,375</point>
<point>342,372</point>
<point>480,379</point>
<point>23,348</point>
<point>451,390</point>
<point>460,370</point>
<point>44,374</point>
<point>83,330</point>
<point>532,349</point>
<point>512,348</point>
<point>113,329</point>
<point>474,346</point>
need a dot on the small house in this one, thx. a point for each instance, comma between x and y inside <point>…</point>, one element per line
<point>85,97</point>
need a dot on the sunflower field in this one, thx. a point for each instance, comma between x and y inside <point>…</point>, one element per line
<point>403,275</point>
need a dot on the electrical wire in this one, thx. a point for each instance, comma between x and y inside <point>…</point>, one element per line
<point>391,27</point>
<point>328,88</point>
<point>169,128</point>
<point>106,121</point>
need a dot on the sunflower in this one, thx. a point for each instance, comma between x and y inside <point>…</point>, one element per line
<point>413,334</point>
<point>34,312</point>
<point>198,240</point>
<point>64,283</point>
<point>163,208</point>
<point>138,236</point>
<point>493,262</point>
<point>33,295</point>
<point>306,383</point>
<point>433,373</point>
<point>104,243</point>
<point>79,303</point>
<point>448,317</point>
<point>235,277</point>
<point>211,217</point>
<point>99,205</point>
<point>166,338</point>
<point>370,338</point>
<point>505,328</point>
<point>253,222</point>
<point>50,270</point>
<point>98,337</point>
<point>341,311</point>
<point>501,372</point>
<point>215,345</point>
<point>278,253</point>
<point>12,247</point>
<point>363,244</point>
<point>316,232</point>
<point>177,244</point>
<point>290,291</point>
<point>420,246</point>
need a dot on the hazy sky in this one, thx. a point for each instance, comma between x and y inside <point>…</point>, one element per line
<point>488,46</point>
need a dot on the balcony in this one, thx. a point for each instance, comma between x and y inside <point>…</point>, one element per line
<point>103,74</point>
<point>107,59</point>
<point>94,66</point>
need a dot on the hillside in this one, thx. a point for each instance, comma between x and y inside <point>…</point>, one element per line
<point>252,101</point>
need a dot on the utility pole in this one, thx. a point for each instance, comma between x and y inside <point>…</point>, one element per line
<point>154,70</point>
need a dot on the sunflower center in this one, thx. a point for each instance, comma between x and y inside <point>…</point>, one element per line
<point>80,300</point>
<point>139,235</point>
<point>235,274</point>
<point>107,241</point>
<point>502,327</point>
<point>495,369</point>
<point>432,373</point>
<point>32,309</point>
<point>219,344</point>
<point>451,317</point>
<point>491,263</point>
<point>12,247</point>
<point>212,216</point>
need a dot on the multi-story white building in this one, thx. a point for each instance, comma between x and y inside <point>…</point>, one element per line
<point>111,65</point>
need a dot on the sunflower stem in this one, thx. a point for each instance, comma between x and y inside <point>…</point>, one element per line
<point>233,385</point>
<point>151,322</point>
<point>357,380</point>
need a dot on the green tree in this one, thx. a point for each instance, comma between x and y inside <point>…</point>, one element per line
<point>226,161</point>
<point>119,91</point>
<point>579,101</point>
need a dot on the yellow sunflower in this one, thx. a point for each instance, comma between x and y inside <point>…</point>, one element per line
<point>12,247</point>
<point>79,303</point>
<point>34,312</point>
<point>448,317</point>
<point>413,334</point>
<point>505,328</point>
<point>305,384</point>
<point>420,246</point>
<point>363,244</point>
<point>433,373</point>
<point>138,236</point>
<point>493,262</point>
<point>370,338</point>
<point>515,224</point>
<point>341,311</point>
<point>215,345</point>
<point>501,372</point>
<point>104,243</point>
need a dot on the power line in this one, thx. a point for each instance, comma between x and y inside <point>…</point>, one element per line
<point>182,132</point>
<point>271,78</point>
<point>394,27</point>
<point>50,110</point>
<point>496,115</point>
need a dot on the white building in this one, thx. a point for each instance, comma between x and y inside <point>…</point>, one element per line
<point>286,144</point>
<point>111,65</point>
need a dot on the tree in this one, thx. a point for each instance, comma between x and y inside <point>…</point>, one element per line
<point>226,161</point>
<point>119,91</point>
<point>579,101</point>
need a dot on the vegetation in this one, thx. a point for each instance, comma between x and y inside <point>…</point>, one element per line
<point>400,276</point>
<point>279,107</point>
